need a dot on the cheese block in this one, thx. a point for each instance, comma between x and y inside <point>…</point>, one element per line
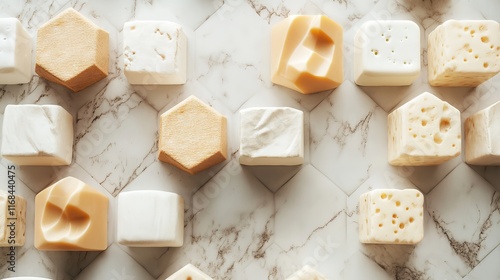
<point>12,220</point>
<point>71,216</point>
<point>154,52</point>
<point>37,135</point>
<point>389,216</point>
<point>306,53</point>
<point>272,136</point>
<point>15,52</point>
<point>189,272</point>
<point>424,131</point>
<point>387,53</point>
<point>463,53</point>
<point>150,219</point>
<point>307,273</point>
<point>192,136</point>
<point>72,51</point>
<point>482,137</point>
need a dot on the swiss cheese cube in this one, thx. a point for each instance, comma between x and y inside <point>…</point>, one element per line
<point>12,220</point>
<point>15,52</point>
<point>482,137</point>
<point>189,272</point>
<point>307,273</point>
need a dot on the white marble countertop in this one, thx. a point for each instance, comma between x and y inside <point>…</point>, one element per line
<point>262,222</point>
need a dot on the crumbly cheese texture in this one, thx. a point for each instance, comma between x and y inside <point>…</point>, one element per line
<point>307,273</point>
<point>12,210</point>
<point>463,53</point>
<point>37,135</point>
<point>387,53</point>
<point>189,272</point>
<point>272,136</point>
<point>15,52</point>
<point>154,52</point>
<point>424,131</point>
<point>482,137</point>
<point>389,216</point>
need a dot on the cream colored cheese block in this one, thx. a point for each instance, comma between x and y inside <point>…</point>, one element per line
<point>71,216</point>
<point>272,136</point>
<point>307,273</point>
<point>15,52</point>
<point>424,131</point>
<point>389,216</point>
<point>12,220</point>
<point>463,53</point>
<point>189,272</point>
<point>306,53</point>
<point>72,51</point>
<point>37,135</point>
<point>387,53</point>
<point>482,137</point>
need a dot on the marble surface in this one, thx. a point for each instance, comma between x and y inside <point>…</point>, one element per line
<point>262,222</point>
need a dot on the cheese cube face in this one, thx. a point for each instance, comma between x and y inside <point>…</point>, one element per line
<point>272,136</point>
<point>482,137</point>
<point>463,53</point>
<point>37,135</point>
<point>307,273</point>
<point>424,131</point>
<point>12,220</point>
<point>387,53</point>
<point>15,52</point>
<point>71,216</point>
<point>154,52</point>
<point>190,272</point>
<point>389,216</point>
<point>306,53</point>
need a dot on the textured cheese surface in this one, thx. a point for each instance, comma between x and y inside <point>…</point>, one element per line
<point>307,273</point>
<point>390,216</point>
<point>189,272</point>
<point>15,52</point>
<point>5,219</point>
<point>482,137</point>
<point>272,136</point>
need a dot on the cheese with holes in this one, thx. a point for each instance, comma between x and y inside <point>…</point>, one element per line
<point>387,53</point>
<point>12,220</point>
<point>307,273</point>
<point>189,272</point>
<point>463,53</point>
<point>15,52</point>
<point>482,137</point>
<point>424,131</point>
<point>154,52</point>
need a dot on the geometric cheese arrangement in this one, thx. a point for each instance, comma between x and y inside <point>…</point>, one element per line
<point>482,137</point>
<point>390,216</point>
<point>192,136</point>
<point>389,58</point>
<point>15,52</point>
<point>72,51</point>
<point>424,131</point>
<point>272,136</point>
<point>71,216</point>
<point>154,52</point>
<point>37,135</point>
<point>150,219</point>
<point>306,53</point>
<point>463,53</point>
<point>307,273</point>
<point>12,220</point>
<point>189,272</point>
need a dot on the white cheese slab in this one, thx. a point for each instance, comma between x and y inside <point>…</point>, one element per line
<point>482,137</point>
<point>15,52</point>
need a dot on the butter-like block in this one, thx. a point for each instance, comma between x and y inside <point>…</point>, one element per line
<point>15,52</point>
<point>71,216</point>
<point>72,51</point>
<point>463,53</point>
<point>12,220</point>
<point>154,52</point>
<point>37,135</point>
<point>424,131</point>
<point>387,53</point>
<point>189,272</point>
<point>390,216</point>
<point>272,136</point>
<point>307,273</point>
<point>306,53</point>
<point>193,136</point>
<point>482,137</point>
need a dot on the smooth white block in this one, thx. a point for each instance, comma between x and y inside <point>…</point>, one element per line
<point>12,206</point>
<point>272,136</point>
<point>37,135</point>
<point>307,273</point>
<point>190,272</point>
<point>15,52</point>
<point>482,137</point>
<point>154,52</point>
<point>387,53</point>
<point>150,219</point>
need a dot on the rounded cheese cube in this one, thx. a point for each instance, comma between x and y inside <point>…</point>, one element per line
<point>482,137</point>
<point>15,52</point>
<point>189,272</point>
<point>12,220</point>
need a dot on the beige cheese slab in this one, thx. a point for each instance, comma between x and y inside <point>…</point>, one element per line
<point>482,137</point>
<point>12,220</point>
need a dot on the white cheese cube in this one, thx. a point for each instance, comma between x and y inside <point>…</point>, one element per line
<point>424,131</point>
<point>190,272</point>
<point>154,52</point>
<point>482,137</point>
<point>15,52</point>
<point>307,273</point>
<point>272,136</point>
<point>387,53</point>
<point>12,220</point>
<point>37,135</point>
<point>463,52</point>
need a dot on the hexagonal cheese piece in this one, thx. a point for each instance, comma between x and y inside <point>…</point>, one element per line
<point>190,272</point>
<point>307,273</point>
<point>388,216</point>
<point>306,53</point>
<point>12,220</point>
<point>72,51</point>
<point>71,216</point>
<point>15,52</point>
<point>193,136</point>
<point>387,53</point>
<point>463,53</point>
<point>272,136</point>
<point>482,137</point>
<point>424,131</point>
<point>37,135</point>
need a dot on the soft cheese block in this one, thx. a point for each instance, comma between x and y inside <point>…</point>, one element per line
<point>463,53</point>
<point>387,53</point>
<point>154,52</point>
<point>37,135</point>
<point>307,273</point>
<point>306,53</point>
<point>272,136</point>
<point>482,137</point>
<point>424,131</point>
<point>189,272</point>
<point>15,52</point>
<point>389,216</point>
<point>71,216</point>
<point>12,220</point>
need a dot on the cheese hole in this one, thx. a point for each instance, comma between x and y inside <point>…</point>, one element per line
<point>383,196</point>
<point>470,50</point>
<point>422,110</point>
<point>444,125</point>
<point>393,222</point>
<point>476,56</point>
<point>387,39</point>
<point>485,39</point>
<point>380,225</point>
<point>465,59</point>
<point>445,108</point>
<point>390,196</point>
<point>466,28</point>
<point>438,139</point>
<point>418,194</point>
<point>491,47</point>
<point>485,65</point>
<point>398,203</point>
<point>424,123</point>
<point>453,145</point>
<point>394,216</point>
<point>420,214</point>
<point>377,210</point>
<point>414,135</point>
<point>412,220</point>
<point>472,32</point>
<point>132,27</point>
<point>407,208</point>
<point>401,226</point>
<point>395,232</point>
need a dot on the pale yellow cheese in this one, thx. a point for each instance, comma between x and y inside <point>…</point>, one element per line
<point>12,220</point>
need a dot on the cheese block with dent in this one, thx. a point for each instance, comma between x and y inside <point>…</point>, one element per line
<point>15,52</point>
<point>482,137</point>
<point>307,273</point>
<point>189,272</point>
<point>12,220</point>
